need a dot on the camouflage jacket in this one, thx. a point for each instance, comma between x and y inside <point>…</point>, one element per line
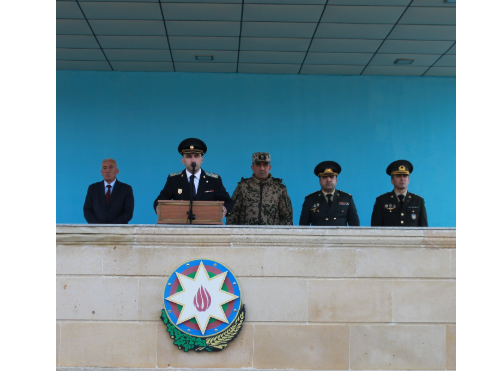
<point>261,203</point>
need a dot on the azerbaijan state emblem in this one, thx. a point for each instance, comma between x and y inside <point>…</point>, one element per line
<point>202,306</point>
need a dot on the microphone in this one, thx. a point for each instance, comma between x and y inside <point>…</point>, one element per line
<point>190,213</point>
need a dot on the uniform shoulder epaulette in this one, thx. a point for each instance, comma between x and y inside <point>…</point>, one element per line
<point>174,174</point>
<point>383,194</point>
<point>212,174</point>
<point>414,194</point>
<point>344,192</point>
<point>313,193</point>
<point>278,180</point>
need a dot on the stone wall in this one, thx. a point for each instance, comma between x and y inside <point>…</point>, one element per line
<point>316,298</point>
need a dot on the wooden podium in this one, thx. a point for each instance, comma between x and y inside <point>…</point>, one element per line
<point>175,212</point>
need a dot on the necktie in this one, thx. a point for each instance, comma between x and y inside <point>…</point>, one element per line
<point>401,200</point>
<point>108,193</point>
<point>329,200</point>
<point>192,184</point>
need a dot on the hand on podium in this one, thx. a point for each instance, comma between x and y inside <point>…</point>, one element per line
<point>223,211</point>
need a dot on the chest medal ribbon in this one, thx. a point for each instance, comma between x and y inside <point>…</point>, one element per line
<point>202,306</point>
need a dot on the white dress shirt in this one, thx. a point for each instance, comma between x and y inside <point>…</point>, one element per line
<point>112,184</point>
<point>195,180</point>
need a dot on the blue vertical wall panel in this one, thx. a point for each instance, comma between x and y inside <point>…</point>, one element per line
<point>362,122</point>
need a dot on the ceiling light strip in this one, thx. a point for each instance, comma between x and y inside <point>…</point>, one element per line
<point>313,35</point>
<point>392,29</point>
<point>167,35</point>
<point>403,61</point>
<point>95,37</point>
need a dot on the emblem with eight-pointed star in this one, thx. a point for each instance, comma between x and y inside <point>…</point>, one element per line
<point>202,298</point>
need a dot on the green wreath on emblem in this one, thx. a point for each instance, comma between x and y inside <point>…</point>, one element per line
<point>211,343</point>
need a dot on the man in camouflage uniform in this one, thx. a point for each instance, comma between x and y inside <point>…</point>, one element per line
<point>261,199</point>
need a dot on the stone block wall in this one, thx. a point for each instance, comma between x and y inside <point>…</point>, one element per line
<point>339,298</point>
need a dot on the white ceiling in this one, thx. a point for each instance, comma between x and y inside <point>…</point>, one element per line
<point>341,37</point>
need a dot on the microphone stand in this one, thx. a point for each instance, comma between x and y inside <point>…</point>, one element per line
<point>190,213</point>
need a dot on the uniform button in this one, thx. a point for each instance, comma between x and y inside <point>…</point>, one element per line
<point>326,218</point>
<point>334,218</point>
<point>402,222</point>
<point>343,211</point>
<point>402,214</point>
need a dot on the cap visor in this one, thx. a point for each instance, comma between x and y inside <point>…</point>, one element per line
<point>191,151</point>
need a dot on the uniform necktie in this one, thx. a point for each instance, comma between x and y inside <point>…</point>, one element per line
<point>108,192</point>
<point>401,200</point>
<point>192,183</point>
<point>329,200</point>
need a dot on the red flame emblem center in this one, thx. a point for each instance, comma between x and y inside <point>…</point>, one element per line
<point>202,300</point>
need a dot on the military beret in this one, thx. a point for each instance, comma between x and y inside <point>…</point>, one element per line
<point>192,145</point>
<point>400,167</point>
<point>261,157</point>
<point>328,168</point>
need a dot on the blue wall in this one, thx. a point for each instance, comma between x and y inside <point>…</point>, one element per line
<point>362,122</point>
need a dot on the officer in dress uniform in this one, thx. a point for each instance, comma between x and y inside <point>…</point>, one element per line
<point>208,186</point>
<point>329,206</point>
<point>399,208</point>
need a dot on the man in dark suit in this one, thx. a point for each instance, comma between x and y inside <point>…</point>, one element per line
<point>329,206</point>
<point>207,186</point>
<point>399,208</point>
<point>109,201</point>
